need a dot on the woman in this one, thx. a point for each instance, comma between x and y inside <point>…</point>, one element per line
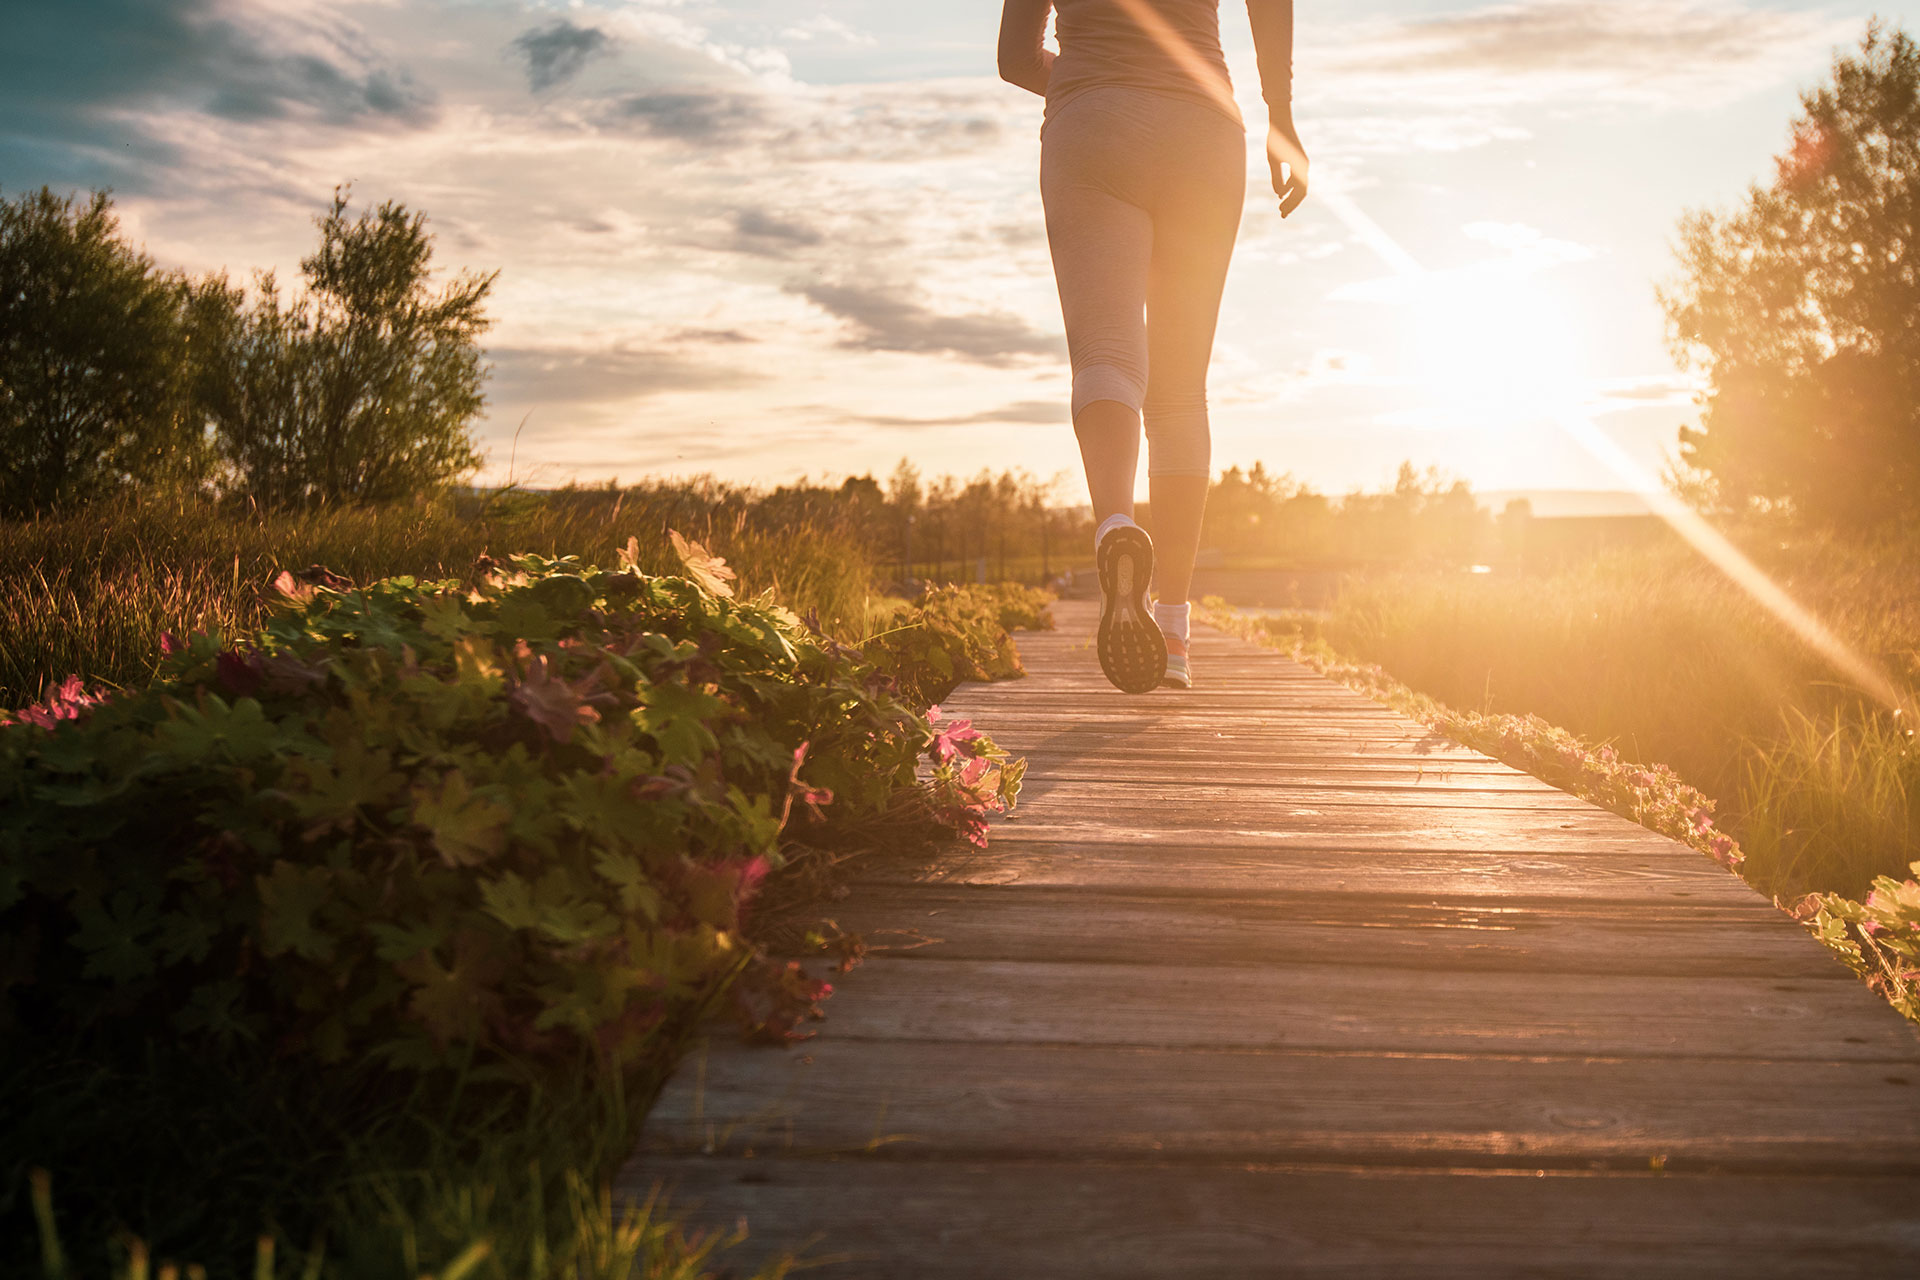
<point>1143,172</point>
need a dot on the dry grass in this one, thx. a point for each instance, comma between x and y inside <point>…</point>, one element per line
<point>1657,653</point>
<point>91,593</point>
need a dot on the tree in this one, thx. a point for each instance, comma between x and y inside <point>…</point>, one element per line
<point>1803,308</point>
<point>363,389</point>
<point>95,359</point>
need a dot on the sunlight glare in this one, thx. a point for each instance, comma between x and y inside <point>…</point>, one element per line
<point>1702,536</point>
<point>1491,347</point>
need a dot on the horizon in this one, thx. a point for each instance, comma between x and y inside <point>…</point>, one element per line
<point>759,237</point>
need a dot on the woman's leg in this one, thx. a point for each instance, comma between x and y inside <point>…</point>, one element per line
<point>1109,435</point>
<point>1195,220</point>
<point>1102,246</point>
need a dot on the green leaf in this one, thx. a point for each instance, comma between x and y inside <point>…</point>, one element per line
<point>112,934</point>
<point>467,828</point>
<point>290,897</point>
<point>624,872</point>
<point>679,720</point>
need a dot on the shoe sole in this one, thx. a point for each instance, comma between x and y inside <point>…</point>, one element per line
<point>1132,651</point>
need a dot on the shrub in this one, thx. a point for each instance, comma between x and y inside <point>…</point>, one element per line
<point>412,823</point>
<point>362,390</point>
<point>952,633</point>
<point>1879,938</point>
<point>95,359</point>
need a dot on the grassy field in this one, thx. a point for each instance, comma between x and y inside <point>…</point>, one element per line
<point>1657,653</point>
<point>91,593</point>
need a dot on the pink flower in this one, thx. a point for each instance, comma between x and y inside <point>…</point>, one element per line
<point>1721,848</point>
<point>947,742</point>
<point>69,701</point>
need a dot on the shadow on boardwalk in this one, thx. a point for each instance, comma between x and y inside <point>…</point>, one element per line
<point>1265,979</point>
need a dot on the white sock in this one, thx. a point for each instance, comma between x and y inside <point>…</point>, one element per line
<point>1175,620</point>
<point>1111,523</point>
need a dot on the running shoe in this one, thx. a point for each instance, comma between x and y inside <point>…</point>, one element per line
<point>1179,673</point>
<point>1132,651</point>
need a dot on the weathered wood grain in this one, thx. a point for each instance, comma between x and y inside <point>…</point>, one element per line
<point>1267,979</point>
<point>934,1099</point>
<point>1626,874</point>
<point>1278,802</point>
<point>1172,1003</point>
<point>877,1219</point>
<point>967,922</point>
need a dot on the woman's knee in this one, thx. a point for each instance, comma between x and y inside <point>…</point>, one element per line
<point>1179,438</point>
<point>1108,379</point>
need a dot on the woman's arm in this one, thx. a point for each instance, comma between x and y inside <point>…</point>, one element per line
<point>1024,58</point>
<point>1273,45</point>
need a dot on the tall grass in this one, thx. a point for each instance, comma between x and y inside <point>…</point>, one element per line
<point>1657,652</point>
<point>1831,803</point>
<point>91,593</point>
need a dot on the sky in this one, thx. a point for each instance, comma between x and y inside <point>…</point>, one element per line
<point>774,239</point>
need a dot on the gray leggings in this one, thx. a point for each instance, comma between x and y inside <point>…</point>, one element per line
<point>1143,194</point>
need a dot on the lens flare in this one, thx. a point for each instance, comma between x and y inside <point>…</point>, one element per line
<point>1703,537</point>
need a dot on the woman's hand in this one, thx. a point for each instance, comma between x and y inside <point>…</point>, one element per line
<point>1288,160</point>
<point>1024,58</point>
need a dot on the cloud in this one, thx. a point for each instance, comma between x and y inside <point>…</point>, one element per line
<point>705,116</point>
<point>1654,390</point>
<point>1527,246</point>
<point>1644,37</point>
<point>1037,412</point>
<point>830,30</point>
<point>80,80</point>
<point>715,337</point>
<point>571,376</point>
<point>1662,52</point>
<point>888,318</point>
<point>555,53</point>
<point>757,231</point>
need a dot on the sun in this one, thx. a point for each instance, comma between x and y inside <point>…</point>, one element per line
<point>1493,346</point>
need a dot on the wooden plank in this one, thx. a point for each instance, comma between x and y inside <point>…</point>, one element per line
<point>1263,769</point>
<point>1200,869</point>
<point>968,922</point>
<point>974,1220</point>
<point>1016,1100</point>
<point>1381,829</point>
<point>1173,1005</point>
<point>1244,798</point>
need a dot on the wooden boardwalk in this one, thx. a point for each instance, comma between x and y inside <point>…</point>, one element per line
<point>1268,980</point>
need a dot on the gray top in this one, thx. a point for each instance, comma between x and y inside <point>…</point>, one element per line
<point>1102,43</point>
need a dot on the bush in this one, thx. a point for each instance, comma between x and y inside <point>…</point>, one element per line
<point>364,389</point>
<point>95,368</point>
<point>411,823</point>
<point>952,633</point>
<point>409,859</point>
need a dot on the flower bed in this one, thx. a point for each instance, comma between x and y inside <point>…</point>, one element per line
<point>510,833</point>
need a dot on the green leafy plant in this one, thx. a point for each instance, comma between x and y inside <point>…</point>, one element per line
<point>1878,938</point>
<point>947,634</point>
<point>412,822</point>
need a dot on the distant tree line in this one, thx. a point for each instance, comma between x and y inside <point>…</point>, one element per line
<point>1014,526</point>
<point>118,376</point>
<point>1423,516</point>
